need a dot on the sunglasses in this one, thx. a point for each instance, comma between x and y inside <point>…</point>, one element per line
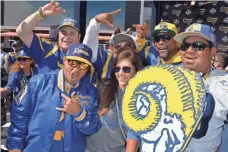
<point>163,37</point>
<point>75,63</point>
<point>124,46</point>
<point>22,59</point>
<point>125,69</point>
<point>196,46</point>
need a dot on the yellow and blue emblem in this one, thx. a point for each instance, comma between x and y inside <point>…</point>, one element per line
<point>163,105</point>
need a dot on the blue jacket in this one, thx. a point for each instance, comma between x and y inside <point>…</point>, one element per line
<point>34,117</point>
<point>17,81</point>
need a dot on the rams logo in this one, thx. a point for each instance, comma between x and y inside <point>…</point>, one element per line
<point>212,20</point>
<point>163,26</point>
<point>223,47</point>
<point>176,12</point>
<point>224,9</point>
<point>187,21</point>
<point>223,29</point>
<point>223,83</point>
<point>80,51</point>
<point>167,105</point>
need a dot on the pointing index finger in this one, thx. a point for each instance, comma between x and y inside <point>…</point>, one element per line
<point>65,97</point>
<point>115,12</point>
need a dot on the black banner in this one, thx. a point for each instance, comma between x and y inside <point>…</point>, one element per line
<point>213,13</point>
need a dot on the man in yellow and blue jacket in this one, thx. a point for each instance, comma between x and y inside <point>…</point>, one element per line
<point>57,109</point>
<point>49,56</point>
<point>165,49</point>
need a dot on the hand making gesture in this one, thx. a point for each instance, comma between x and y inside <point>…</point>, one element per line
<point>52,9</point>
<point>141,30</point>
<point>107,18</point>
<point>71,105</point>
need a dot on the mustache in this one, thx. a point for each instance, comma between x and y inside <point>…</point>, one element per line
<point>165,45</point>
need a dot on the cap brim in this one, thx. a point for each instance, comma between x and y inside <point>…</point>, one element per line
<point>121,38</point>
<point>79,59</point>
<point>23,56</point>
<point>68,26</point>
<point>180,37</point>
<point>155,32</point>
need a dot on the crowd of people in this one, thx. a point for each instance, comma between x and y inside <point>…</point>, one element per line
<point>67,95</point>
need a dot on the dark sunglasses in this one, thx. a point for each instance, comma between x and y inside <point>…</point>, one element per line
<point>125,69</point>
<point>22,59</point>
<point>163,37</point>
<point>196,46</point>
<point>75,63</point>
<point>124,46</point>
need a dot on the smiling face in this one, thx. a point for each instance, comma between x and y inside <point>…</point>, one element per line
<point>166,46</point>
<point>198,61</point>
<point>24,62</point>
<point>68,36</point>
<point>74,73</point>
<point>124,71</point>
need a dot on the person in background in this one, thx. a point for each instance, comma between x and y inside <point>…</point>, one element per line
<point>112,136</point>
<point>129,31</point>
<point>165,49</point>
<point>10,58</point>
<point>220,60</point>
<point>108,47</point>
<point>123,42</point>
<point>20,73</point>
<point>116,31</point>
<point>58,109</point>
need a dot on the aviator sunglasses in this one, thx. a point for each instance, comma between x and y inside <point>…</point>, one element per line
<point>75,63</point>
<point>196,46</point>
<point>125,69</point>
<point>163,37</point>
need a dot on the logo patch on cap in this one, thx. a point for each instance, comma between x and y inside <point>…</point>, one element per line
<point>68,22</point>
<point>164,26</point>
<point>80,51</point>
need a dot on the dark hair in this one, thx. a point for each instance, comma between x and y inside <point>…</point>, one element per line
<point>16,66</point>
<point>112,89</point>
<point>223,58</point>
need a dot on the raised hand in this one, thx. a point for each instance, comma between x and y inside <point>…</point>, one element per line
<point>52,9</point>
<point>141,30</point>
<point>107,18</point>
<point>71,105</point>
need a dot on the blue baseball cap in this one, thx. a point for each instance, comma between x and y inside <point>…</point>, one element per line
<point>71,23</point>
<point>198,30</point>
<point>22,53</point>
<point>82,53</point>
